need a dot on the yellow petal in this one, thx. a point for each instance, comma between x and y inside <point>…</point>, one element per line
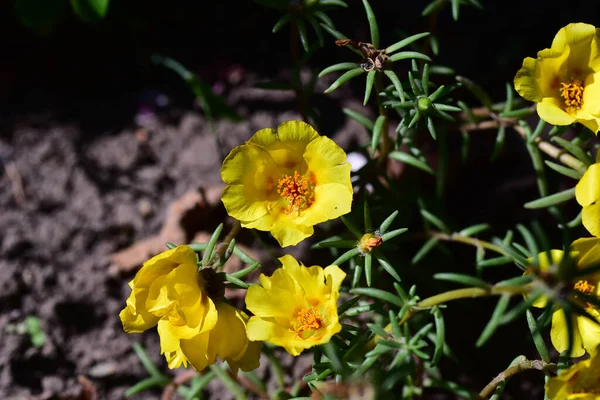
<point>587,190</point>
<point>559,334</point>
<point>196,351</point>
<point>526,83</point>
<point>137,321</point>
<point>262,329</point>
<point>243,204</point>
<point>331,201</point>
<point>551,70</point>
<point>587,252</point>
<point>573,34</point>
<point>593,124</point>
<point>336,276</point>
<point>169,340</point>
<point>176,358</point>
<point>561,386</point>
<point>550,110</point>
<point>231,325</point>
<point>327,161</point>
<point>262,302</point>
<point>591,218</point>
<point>288,233</point>
<point>249,361</point>
<point>311,280</point>
<point>589,331</point>
<point>179,293</point>
<point>296,131</point>
<point>136,316</point>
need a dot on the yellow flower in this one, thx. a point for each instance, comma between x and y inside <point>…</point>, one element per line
<point>564,80</point>
<point>287,181</point>
<point>587,193</point>
<point>169,292</point>
<point>580,381</point>
<point>227,340</point>
<point>297,307</point>
<point>586,333</point>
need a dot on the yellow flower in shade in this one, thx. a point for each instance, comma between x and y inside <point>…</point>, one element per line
<point>586,333</point>
<point>580,381</point>
<point>296,307</point>
<point>564,80</point>
<point>169,292</point>
<point>286,181</point>
<point>587,193</point>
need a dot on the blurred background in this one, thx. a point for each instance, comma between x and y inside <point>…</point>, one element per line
<point>107,154</point>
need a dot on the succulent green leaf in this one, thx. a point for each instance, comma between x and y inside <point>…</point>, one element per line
<point>463,279</point>
<point>380,123</point>
<point>411,160</point>
<point>372,24</point>
<point>425,249</point>
<point>344,78</point>
<point>392,234</point>
<point>574,149</point>
<point>552,200</point>
<point>339,67</point>
<point>474,230</point>
<point>281,22</point>
<point>540,345</point>
<point>90,10</point>
<point>338,3</point>
<point>369,86</point>
<point>379,295</point>
<point>434,220</point>
<point>396,82</point>
<point>360,118</point>
<point>388,267</point>
<point>405,42</point>
<point>571,173</point>
<point>433,6</point>
<point>494,320</point>
<point>387,222</point>
<point>520,113</point>
<point>403,55</point>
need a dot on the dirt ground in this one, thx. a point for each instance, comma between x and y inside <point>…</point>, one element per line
<point>73,195</point>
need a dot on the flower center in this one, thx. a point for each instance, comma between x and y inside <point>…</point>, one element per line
<point>572,93</point>
<point>584,287</point>
<point>297,190</point>
<point>308,319</point>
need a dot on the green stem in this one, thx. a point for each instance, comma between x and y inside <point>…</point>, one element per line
<point>553,151</point>
<point>465,293</point>
<point>515,369</point>
<point>456,237</point>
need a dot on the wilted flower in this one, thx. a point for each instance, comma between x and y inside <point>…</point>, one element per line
<point>587,193</point>
<point>564,80</point>
<point>169,292</point>
<point>297,307</point>
<point>579,381</point>
<point>586,333</point>
<point>286,181</point>
<point>368,242</point>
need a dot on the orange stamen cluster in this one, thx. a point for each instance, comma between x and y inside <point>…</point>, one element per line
<point>308,319</point>
<point>297,190</point>
<point>584,287</point>
<point>572,93</point>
